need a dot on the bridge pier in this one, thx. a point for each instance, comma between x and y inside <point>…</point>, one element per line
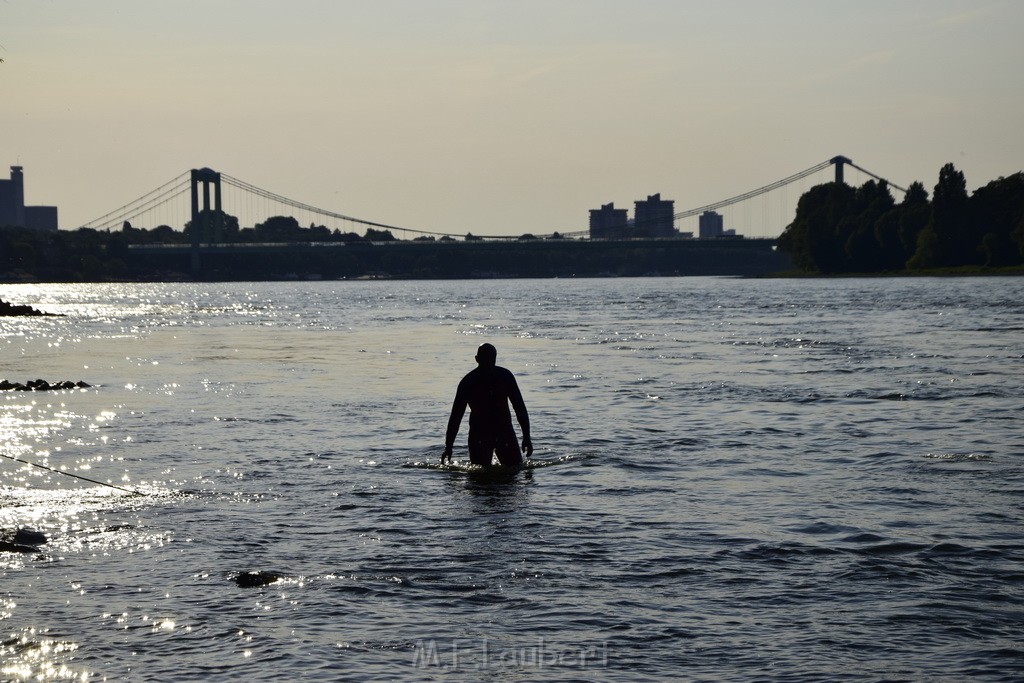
<point>206,223</point>
<point>838,162</point>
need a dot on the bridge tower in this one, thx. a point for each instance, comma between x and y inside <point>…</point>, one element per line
<point>206,224</point>
<point>838,163</point>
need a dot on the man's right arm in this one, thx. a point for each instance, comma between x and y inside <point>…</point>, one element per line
<point>455,420</point>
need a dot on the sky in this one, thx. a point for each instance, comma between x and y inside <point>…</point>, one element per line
<point>502,117</point>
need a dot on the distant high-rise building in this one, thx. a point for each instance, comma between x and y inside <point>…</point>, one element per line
<point>712,225</point>
<point>654,217</point>
<point>14,213</point>
<point>608,223</point>
<point>12,199</point>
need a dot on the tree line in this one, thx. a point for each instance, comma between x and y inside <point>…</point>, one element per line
<point>87,254</point>
<point>90,255</point>
<point>843,229</point>
<point>224,228</point>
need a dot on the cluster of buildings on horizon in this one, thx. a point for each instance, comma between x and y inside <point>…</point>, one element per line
<point>13,211</point>
<point>652,217</point>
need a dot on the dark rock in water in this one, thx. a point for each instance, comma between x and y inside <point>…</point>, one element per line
<point>256,579</point>
<point>21,541</point>
<point>6,547</point>
<point>42,385</point>
<point>29,537</point>
<point>7,309</point>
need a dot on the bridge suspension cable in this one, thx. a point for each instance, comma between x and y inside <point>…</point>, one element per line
<point>179,187</point>
<point>273,196</point>
<point>876,177</point>
<point>164,194</point>
<point>753,193</point>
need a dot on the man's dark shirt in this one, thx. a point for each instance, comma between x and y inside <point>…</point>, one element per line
<point>487,391</point>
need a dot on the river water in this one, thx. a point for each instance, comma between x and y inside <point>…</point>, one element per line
<point>777,480</point>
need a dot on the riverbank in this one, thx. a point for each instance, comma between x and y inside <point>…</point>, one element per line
<point>110,258</point>
<point>959,271</point>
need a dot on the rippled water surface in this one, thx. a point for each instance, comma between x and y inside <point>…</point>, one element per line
<point>734,479</point>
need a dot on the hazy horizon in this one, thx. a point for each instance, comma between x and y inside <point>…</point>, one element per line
<point>500,117</point>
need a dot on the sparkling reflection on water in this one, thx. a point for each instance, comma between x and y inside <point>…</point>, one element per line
<point>783,480</point>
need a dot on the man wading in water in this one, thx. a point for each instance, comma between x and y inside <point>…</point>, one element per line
<point>487,391</point>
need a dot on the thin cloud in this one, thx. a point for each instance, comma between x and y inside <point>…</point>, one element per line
<point>872,59</point>
<point>970,16</point>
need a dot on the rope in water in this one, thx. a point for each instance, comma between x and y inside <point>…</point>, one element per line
<point>69,474</point>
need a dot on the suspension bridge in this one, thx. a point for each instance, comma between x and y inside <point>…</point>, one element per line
<point>202,197</point>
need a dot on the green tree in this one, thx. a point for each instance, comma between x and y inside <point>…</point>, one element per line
<point>926,255</point>
<point>887,237</point>
<point>896,230</point>
<point>864,251</point>
<point>23,256</point>
<point>379,235</point>
<point>949,219</point>
<point>319,233</point>
<point>816,238</point>
<point>996,212</point>
<point>279,229</point>
<point>1017,235</point>
<point>167,235</point>
<point>915,212</point>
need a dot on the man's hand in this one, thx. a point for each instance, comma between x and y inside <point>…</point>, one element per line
<point>447,454</point>
<point>527,446</point>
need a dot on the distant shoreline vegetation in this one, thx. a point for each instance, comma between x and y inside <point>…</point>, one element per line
<point>280,249</point>
<point>107,257</point>
<point>840,229</point>
<point>837,230</point>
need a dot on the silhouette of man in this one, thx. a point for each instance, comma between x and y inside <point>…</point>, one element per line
<point>487,391</point>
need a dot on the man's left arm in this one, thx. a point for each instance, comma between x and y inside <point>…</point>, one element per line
<point>523,417</point>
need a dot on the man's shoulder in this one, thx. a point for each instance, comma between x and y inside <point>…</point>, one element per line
<point>482,374</point>
<point>505,373</point>
<point>470,377</point>
<point>475,372</point>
